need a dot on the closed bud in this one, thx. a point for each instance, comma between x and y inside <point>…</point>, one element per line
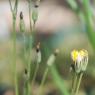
<point>38,53</point>
<point>56,52</point>
<point>35,15</point>
<point>52,58</point>
<point>25,71</point>
<point>21,15</point>
<point>26,77</point>
<point>22,24</point>
<point>38,47</point>
<point>37,4</point>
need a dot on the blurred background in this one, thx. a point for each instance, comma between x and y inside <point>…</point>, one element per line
<point>60,25</point>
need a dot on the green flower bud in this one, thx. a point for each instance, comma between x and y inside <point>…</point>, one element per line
<point>35,15</point>
<point>22,24</point>
<point>52,58</point>
<point>38,53</point>
<point>26,77</point>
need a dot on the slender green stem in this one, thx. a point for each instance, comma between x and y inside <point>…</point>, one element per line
<point>16,6</point>
<point>25,88</point>
<point>35,73</point>
<point>74,83</point>
<point>14,55</point>
<point>78,84</point>
<point>29,63</point>
<point>24,50</point>
<point>29,5</point>
<point>43,81</point>
<point>30,42</point>
<point>10,6</point>
<point>14,14</point>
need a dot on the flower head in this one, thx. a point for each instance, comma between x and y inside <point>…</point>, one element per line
<point>80,59</point>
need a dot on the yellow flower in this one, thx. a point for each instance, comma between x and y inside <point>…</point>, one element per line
<point>80,59</point>
<point>74,55</point>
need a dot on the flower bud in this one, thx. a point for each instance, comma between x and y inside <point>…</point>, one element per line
<point>21,15</point>
<point>38,53</point>
<point>26,77</point>
<point>52,58</point>
<point>37,4</point>
<point>38,47</point>
<point>35,15</point>
<point>22,24</point>
<point>56,52</point>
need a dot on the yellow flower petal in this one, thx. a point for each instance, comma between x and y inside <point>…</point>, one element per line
<point>83,53</point>
<point>74,55</point>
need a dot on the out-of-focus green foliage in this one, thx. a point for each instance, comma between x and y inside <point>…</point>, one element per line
<point>59,81</point>
<point>89,22</point>
<point>73,4</point>
<point>87,15</point>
